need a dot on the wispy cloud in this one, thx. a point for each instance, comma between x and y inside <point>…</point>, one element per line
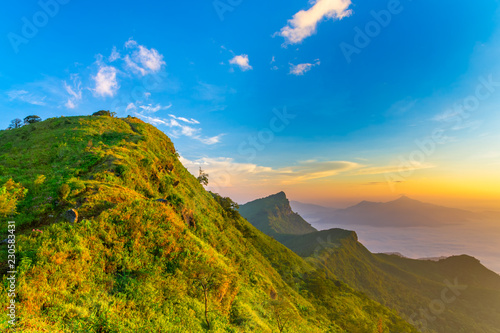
<point>105,77</point>
<point>74,91</point>
<point>106,83</point>
<point>131,106</point>
<point>301,69</point>
<point>143,60</point>
<point>26,97</point>
<point>178,128</point>
<point>394,169</point>
<point>304,23</point>
<point>227,173</point>
<point>189,121</point>
<point>401,107</point>
<point>310,170</point>
<point>150,108</point>
<point>242,62</point>
<point>456,120</point>
<point>115,55</point>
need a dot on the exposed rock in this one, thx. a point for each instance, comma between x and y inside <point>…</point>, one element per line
<point>188,217</point>
<point>71,216</point>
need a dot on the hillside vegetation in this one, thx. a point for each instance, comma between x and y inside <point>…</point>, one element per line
<point>454,295</point>
<point>115,235</point>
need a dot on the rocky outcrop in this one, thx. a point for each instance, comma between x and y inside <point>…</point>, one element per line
<point>71,216</point>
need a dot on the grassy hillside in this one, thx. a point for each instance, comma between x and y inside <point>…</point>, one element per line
<point>151,250</point>
<point>273,215</point>
<point>454,295</point>
<point>420,289</point>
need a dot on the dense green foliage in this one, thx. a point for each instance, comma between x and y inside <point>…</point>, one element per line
<point>419,289</point>
<point>32,119</point>
<point>152,251</point>
<point>273,216</point>
<point>416,287</point>
<point>104,113</point>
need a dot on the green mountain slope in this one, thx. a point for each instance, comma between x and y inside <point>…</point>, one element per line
<point>273,215</point>
<point>453,295</point>
<point>115,235</point>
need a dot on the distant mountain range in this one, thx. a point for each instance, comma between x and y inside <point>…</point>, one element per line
<point>403,212</point>
<point>467,293</point>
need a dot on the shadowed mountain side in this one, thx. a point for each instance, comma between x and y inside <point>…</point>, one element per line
<point>273,215</point>
<point>409,285</point>
<point>313,243</point>
<point>456,294</point>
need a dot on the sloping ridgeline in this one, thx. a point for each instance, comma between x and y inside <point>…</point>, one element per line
<point>131,263</point>
<point>273,216</point>
<point>454,295</point>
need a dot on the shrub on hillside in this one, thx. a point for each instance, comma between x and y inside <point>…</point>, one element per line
<point>32,119</point>
<point>104,113</point>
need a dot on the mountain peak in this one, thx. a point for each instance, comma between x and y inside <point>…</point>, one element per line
<point>280,195</point>
<point>407,201</point>
<point>273,214</point>
<point>405,198</point>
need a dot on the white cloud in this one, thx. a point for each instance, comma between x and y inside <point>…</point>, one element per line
<point>154,120</point>
<point>130,43</point>
<point>26,97</point>
<point>301,69</point>
<point>394,169</point>
<point>131,106</point>
<point>105,81</point>
<point>225,172</point>
<point>115,55</point>
<point>189,121</point>
<point>304,23</point>
<point>70,104</point>
<point>143,60</point>
<point>150,108</point>
<point>178,129</point>
<point>74,91</point>
<point>242,61</point>
<point>211,140</point>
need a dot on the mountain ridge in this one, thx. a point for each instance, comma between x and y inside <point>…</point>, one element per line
<point>408,285</point>
<point>146,247</point>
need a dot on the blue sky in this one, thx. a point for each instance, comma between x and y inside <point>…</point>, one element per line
<point>213,79</point>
